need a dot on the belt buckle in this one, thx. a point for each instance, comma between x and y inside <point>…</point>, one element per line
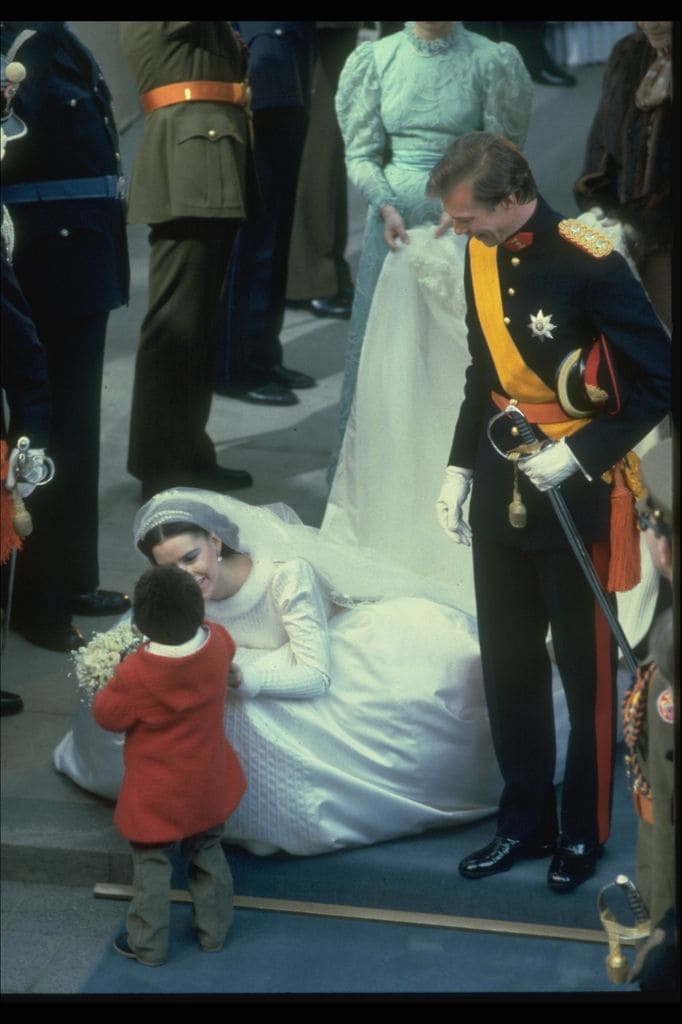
<point>121,187</point>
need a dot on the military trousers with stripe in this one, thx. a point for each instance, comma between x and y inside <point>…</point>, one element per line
<point>519,595</point>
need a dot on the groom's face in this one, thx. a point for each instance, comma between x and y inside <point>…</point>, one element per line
<point>490,225</point>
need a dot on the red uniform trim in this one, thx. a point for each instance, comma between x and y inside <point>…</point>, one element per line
<point>603,706</point>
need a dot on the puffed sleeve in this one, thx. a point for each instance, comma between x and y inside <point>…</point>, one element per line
<point>508,93</point>
<point>300,669</point>
<point>358,109</point>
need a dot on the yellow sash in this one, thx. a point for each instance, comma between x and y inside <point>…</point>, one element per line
<point>517,379</point>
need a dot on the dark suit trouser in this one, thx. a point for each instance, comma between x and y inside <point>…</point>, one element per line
<point>518,594</point>
<point>253,312</point>
<point>172,391</point>
<point>317,264</point>
<point>60,559</point>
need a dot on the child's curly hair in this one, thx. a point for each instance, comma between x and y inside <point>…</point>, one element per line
<point>167,605</point>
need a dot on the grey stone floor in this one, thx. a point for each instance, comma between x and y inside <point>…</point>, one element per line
<point>57,841</point>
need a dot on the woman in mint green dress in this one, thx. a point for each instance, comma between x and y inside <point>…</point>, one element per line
<point>400,102</point>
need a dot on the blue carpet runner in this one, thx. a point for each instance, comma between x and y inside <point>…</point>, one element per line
<point>284,953</point>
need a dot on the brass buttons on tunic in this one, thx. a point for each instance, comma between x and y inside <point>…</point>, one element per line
<point>507,320</point>
<point>515,261</point>
<point>511,291</point>
<point>211,133</point>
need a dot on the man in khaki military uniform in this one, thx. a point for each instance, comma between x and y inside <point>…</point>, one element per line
<point>649,715</point>
<point>191,181</point>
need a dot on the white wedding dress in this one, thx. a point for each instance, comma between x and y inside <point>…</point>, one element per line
<point>354,724</point>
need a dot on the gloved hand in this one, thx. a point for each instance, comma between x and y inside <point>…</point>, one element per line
<point>550,466</point>
<point>453,494</point>
<point>29,472</point>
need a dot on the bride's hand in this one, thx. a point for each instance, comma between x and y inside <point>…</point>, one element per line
<point>234,677</point>
<point>444,224</point>
<point>394,228</point>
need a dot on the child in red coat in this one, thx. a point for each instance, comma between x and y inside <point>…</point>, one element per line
<point>182,778</point>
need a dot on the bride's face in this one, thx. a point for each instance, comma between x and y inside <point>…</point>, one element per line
<point>197,554</point>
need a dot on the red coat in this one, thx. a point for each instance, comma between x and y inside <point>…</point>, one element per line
<point>181,774</point>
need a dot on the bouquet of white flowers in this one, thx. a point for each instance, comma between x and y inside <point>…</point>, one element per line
<point>95,663</point>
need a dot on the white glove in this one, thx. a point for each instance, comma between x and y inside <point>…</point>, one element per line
<point>453,494</point>
<point>550,466</point>
<point>35,469</point>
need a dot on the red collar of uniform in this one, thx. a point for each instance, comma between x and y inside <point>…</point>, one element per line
<point>521,240</point>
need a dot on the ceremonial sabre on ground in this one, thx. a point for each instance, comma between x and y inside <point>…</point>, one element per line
<point>531,445</point>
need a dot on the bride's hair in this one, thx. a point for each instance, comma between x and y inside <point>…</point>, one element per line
<point>158,534</point>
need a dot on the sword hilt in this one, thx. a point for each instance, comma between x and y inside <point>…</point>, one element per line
<point>521,429</point>
<point>634,899</point>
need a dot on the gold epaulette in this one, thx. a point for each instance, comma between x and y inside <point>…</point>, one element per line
<point>588,239</point>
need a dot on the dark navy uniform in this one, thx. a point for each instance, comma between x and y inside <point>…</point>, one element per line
<point>62,187</point>
<point>528,579</point>
<point>280,69</point>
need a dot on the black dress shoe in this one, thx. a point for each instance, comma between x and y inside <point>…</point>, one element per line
<point>10,703</point>
<point>100,602</point>
<point>270,394</point>
<point>122,946</point>
<point>53,638</point>
<point>553,76</point>
<point>292,379</point>
<point>500,855</point>
<point>220,479</point>
<point>209,478</point>
<point>337,306</point>
<point>572,864</point>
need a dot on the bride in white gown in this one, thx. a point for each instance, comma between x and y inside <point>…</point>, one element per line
<point>360,715</point>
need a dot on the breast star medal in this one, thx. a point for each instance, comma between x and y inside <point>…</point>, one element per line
<point>541,325</point>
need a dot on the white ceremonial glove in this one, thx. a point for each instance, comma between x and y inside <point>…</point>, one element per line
<point>453,494</point>
<point>36,468</point>
<point>550,466</point>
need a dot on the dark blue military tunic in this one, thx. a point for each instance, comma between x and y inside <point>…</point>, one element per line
<point>528,580</point>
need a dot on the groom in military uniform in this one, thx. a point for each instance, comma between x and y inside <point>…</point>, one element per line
<point>558,326</point>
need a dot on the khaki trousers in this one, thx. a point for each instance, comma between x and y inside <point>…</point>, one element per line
<point>210,884</point>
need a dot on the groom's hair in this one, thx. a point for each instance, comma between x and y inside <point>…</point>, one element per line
<point>490,164</point>
<point>168,606</point>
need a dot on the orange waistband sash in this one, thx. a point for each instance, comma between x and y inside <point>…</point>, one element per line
<point>535,412</point>
<point>184,92</point>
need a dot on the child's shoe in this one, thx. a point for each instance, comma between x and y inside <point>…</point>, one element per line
<point>122,946</point>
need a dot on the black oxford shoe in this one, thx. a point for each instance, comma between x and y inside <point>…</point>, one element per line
<point>500,855</point>
<point>11,703</point>
<point>572,864</point>
<point>221,479</point>
<point>553,75</point>
<point>270,394</point>
<point>336,306</point>
<point>122,946</point>
<point>63,639</point>
<point>100,602</point>
<point>292,379</point>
